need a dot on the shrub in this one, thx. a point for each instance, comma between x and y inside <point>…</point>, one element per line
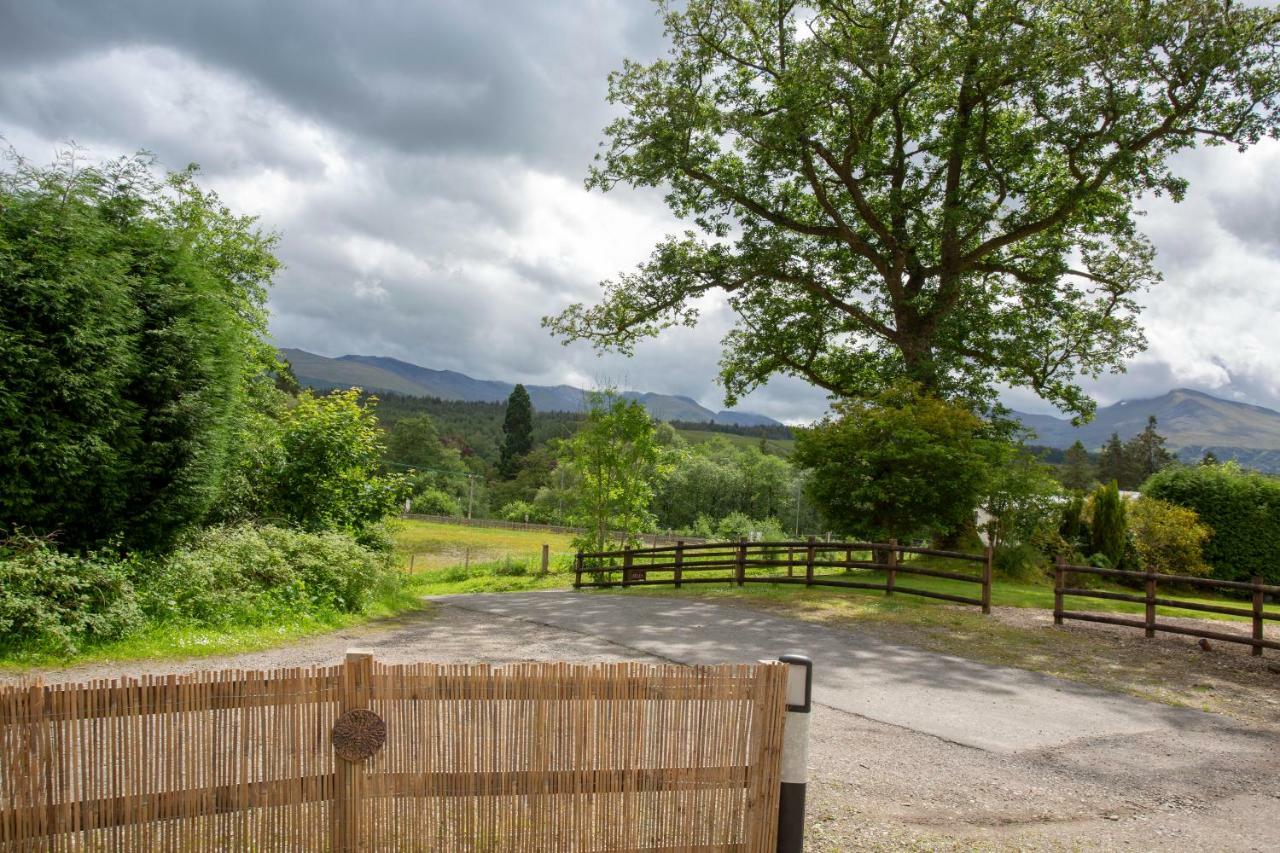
<point>57,601</point>
<point>435,502</point>
<point>736,525</point>
<point>251,575</point>
<point>1241,508</point>
<point>1168,538</point>
<point>1022,562</point>
<point>518,511</point>
<point>1107,525</point>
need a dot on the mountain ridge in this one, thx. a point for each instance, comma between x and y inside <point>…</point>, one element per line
<point>1191,421</point>
<point>385,374</point>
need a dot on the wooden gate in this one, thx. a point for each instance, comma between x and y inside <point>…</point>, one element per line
<point>364,756</point>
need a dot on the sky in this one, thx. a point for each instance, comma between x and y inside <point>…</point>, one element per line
<point>423,163</point>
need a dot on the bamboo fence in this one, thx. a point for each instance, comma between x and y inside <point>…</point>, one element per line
<point>529,757</point>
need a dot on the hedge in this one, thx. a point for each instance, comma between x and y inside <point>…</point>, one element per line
<point>1242,508</point>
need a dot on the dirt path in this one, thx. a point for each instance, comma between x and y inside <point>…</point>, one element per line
<point>876,785</point>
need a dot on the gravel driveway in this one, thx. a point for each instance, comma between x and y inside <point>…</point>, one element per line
<point>879,786</point>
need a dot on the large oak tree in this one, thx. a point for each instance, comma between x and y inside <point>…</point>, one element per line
<point>939,191</point>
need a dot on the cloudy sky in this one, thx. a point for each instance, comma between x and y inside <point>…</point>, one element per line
<point>423,162</point>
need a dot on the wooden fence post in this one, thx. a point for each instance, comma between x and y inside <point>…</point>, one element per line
<point>1059,576</point>
<point>679,561</point>
<point>791,561</point>
<point>346,832</point>
<point>808,561</point>
<point>626,567</point>
<point>891,573</point>
<point>986,580</point>
<point>741,561</point>
<point>546,558</point>
<point>1151,605</point>
<point>577,571</point>
<point>1256,580</point>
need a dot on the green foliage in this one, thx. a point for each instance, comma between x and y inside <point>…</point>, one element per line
<point>517,431</point>
<point>326,474</point>
<point>56,601</point>
<point>1022,500</point>
<point>737,525</point>
<point>133,316</point>
<point>1111,461</point>
<point>1144,455</point>
<point>251,575</point>
<point>1107,524</point>
<point>938,192</point>
<point>414,442</point>
<point>1020,562</point>
<point>614,465</point>
<point>1242,508</point>
<point>1168,538</point>
<point>1078,472</point>
<point>716,478</point>
<point>905,465</point>
<point>519,511</point>
<point>435,502</point>
<point>1072,527</point>
<point>221,577</point>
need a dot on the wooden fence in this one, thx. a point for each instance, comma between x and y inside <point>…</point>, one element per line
<point>363,756</point>
<point>1256,612</point>
<point>809,562</point>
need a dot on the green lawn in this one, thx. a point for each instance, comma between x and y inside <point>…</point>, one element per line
<point>779,446</point>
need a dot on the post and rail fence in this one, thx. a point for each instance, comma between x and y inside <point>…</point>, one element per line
<point>1256,612</point>
<point>366,756</point>
<point>809,562</point>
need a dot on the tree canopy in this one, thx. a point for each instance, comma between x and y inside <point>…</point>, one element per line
<point>937,191</point>
<point>517,431</point>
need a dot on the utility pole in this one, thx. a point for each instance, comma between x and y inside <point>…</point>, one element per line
<point>797,530</point>
<point>471,493</point>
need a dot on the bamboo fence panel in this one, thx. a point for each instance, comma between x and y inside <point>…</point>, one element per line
<point>530,757</point>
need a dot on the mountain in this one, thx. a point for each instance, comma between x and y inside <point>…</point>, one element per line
<point>379,373</point>
<point>1191,422</point>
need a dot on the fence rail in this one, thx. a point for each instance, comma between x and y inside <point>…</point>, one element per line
<point>420,756</point>
<point>1256,612</point>
<point>806,562</point>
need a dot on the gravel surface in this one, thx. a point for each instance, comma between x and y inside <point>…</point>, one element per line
<point>882,787</point>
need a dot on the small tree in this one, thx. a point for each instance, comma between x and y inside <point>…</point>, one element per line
<point>614,462</point>
<point>905,464</point>
<point>1168,538</point>
<point>1078,471</point>
<point>1022,501</point>
<point>1107,527</point>
<point>517,427</point>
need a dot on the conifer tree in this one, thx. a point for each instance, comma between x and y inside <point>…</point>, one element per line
<point>1144,454</point>
<point>1111,460</point>
<point>1107,529</point>
<point>1077,470</point>
<point>517,427</point>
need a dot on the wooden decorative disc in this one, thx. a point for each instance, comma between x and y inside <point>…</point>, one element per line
<point>358,734</point>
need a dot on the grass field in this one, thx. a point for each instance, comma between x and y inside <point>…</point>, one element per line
<point>780,446</point>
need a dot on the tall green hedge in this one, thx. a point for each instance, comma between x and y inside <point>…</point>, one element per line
<point>131,311</point>
<point>1241,507</point>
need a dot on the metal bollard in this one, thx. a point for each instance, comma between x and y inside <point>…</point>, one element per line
<point>795,753</point>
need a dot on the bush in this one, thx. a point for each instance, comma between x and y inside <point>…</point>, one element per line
<point>736,525</point>
<point>1168,538</point>
<point>252,575</point>
<point>1021,562</point>
<point>435,502</point>
<point>518,511</point>
<point>1241,508</point>
<point>55,601</point>
<point>1107,524</point>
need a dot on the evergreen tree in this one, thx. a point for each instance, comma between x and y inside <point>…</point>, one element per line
<point>517,429</point>
<point>1077,470</point>
<point>1144,454</point>
<point>1111,462</point>
<point>1107,529</point>
<point>1209,458</point>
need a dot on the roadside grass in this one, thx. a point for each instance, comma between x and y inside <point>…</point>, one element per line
<point>437,545</point>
